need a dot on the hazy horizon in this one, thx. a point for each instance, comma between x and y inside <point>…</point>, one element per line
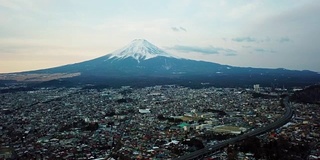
<point>40,34</point>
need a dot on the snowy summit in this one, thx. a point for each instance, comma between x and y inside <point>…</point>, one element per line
<point>139,49</point>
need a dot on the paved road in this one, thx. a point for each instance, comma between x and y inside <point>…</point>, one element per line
<point>199,154</point>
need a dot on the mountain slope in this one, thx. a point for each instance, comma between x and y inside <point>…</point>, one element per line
<point>143,61</point>
<point>311,94</point>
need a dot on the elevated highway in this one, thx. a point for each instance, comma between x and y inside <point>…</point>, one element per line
<point>200,154</point>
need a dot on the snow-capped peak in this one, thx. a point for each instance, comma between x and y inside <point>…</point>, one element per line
<point>139,49</point>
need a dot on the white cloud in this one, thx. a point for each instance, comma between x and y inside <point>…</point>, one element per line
<point>9,4</point>
<point>241,11</point>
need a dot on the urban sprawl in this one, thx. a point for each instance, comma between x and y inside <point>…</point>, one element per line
<point>159,122</point>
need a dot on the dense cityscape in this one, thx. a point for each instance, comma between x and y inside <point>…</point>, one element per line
<point>159,80</point>
<point>159,122</point>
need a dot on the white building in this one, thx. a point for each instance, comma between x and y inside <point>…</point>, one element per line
<point>256,87</point>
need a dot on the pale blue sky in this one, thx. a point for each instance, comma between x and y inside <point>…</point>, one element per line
<point>37,34</point>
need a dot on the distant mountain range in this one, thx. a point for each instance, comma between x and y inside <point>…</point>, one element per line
<point>142,63</point>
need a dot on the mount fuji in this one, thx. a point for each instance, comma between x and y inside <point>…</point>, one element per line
<point>142,63</point>
<point>139,49</point>
<point>139,58</point>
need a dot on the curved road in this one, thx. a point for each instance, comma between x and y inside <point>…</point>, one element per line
<point>211,149</point>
